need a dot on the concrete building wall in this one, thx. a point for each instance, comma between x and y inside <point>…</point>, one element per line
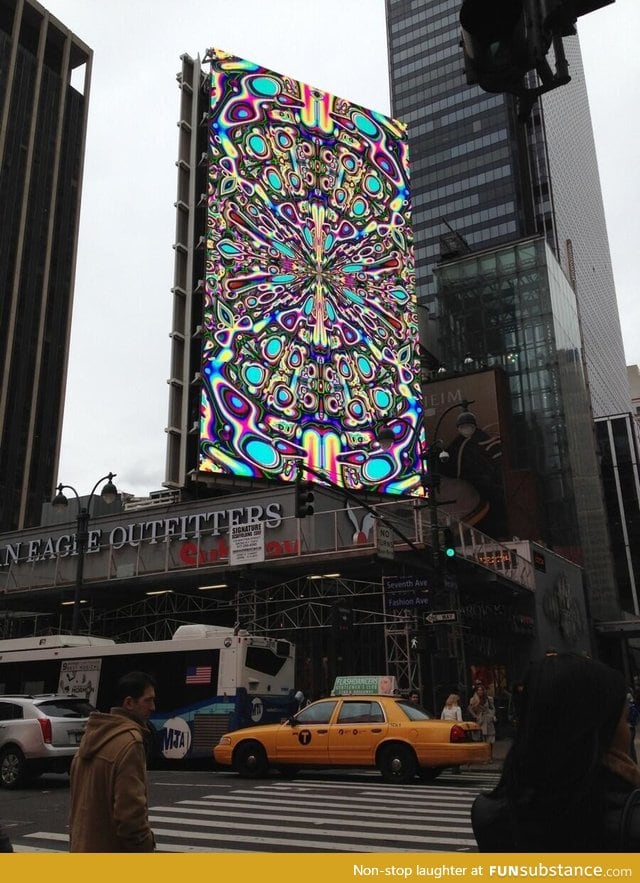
<point>42,137</point>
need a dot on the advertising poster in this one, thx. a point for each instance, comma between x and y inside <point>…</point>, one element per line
<point>246,543</point>
<point>80,677</point>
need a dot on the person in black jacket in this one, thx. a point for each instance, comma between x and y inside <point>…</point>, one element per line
<point>568,782</point>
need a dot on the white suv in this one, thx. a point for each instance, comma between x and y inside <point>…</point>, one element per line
<point>39,734</point>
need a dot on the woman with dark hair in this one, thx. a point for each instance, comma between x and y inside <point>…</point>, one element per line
<point>567,781</point>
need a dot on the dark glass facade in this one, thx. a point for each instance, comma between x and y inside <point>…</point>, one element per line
<point>476,169</point>
<point>41,151</point>
<point>517,306</point>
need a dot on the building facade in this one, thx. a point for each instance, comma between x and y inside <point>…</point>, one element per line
<point>633,373</point>
<point>618,444</point>
<point>151,565</point>
<point>477,171</point>
<point>44,90</point>
<point>516,302</point>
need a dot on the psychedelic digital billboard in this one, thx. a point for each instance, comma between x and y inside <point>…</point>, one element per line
<point>310,327</point>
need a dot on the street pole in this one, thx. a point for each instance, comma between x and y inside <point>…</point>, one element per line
<point>109,494</point>
<point>430,459</point>
<point>82,536</point>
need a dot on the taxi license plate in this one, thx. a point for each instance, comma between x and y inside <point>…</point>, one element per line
<point>476,735</point>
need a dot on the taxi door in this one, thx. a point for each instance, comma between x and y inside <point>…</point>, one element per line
<point>359,728</point>
<point>307,739</point>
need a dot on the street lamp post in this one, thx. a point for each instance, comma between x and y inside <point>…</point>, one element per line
<point>109,494</point>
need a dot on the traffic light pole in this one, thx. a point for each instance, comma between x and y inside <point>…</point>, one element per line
<point>449,639</point>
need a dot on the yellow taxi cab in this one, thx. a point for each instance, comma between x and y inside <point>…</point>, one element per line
<point>386,732</point>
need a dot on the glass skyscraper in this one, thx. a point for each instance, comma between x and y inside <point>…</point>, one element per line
<point>492,179</point>
<point>515,300</point>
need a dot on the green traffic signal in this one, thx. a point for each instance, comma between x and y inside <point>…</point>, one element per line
<point>448,545</point>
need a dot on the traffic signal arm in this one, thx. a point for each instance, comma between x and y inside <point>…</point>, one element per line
<point>505,39</point>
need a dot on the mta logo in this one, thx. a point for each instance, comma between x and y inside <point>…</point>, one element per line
<point>174,739</point>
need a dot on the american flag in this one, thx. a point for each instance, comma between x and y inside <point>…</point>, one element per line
<point>198,674</point>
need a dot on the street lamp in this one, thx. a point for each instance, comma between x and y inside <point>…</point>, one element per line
<point>109,494</point>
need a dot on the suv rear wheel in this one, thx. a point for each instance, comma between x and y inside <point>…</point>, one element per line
<point>12,767</point>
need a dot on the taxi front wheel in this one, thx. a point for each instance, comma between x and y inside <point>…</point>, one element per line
<point>398,764</point>
<point>250,760</point>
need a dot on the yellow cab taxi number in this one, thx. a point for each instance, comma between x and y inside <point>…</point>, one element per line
<point>392,724</point>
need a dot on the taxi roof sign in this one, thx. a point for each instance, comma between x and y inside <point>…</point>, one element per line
<point>354,685</point>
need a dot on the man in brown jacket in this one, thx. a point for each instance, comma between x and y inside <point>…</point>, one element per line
<point>109,805</point>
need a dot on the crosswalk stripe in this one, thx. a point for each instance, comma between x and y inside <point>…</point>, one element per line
<point>253,826</point>
<point>295,842</point>
<point>48,835</point>
<point>163,847</point>
<point>365,800</point>
<point>290,805</point>
<point>312,820</point>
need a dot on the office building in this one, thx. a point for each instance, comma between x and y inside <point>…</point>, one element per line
<point>44,90</point>
<point>477,171</point>
<point>482,179</point>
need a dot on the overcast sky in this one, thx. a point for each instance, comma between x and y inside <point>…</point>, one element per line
<point>116,405</point>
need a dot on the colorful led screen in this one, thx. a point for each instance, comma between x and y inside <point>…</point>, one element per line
<point>310,328</point>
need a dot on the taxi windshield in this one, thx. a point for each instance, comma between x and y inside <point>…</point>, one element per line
<point>414,712</point>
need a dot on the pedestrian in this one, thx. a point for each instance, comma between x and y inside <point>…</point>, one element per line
<point>515,703</point>
<point>109,804</point>
<point>633,715</point>
<point>5,843</point>
<point>568,783</point>
<point>451,710</point>
<point>483,712</point>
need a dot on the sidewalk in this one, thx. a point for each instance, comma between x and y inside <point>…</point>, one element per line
<point>500,749</point>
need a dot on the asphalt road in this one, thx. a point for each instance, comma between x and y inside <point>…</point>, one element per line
<point>328,811</point>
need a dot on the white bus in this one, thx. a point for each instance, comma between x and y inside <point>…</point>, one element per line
<point>210,680</point>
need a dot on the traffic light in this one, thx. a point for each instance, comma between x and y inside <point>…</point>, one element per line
<point>448,546</point>
<point>502,40</point>
<point>304,498</point>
